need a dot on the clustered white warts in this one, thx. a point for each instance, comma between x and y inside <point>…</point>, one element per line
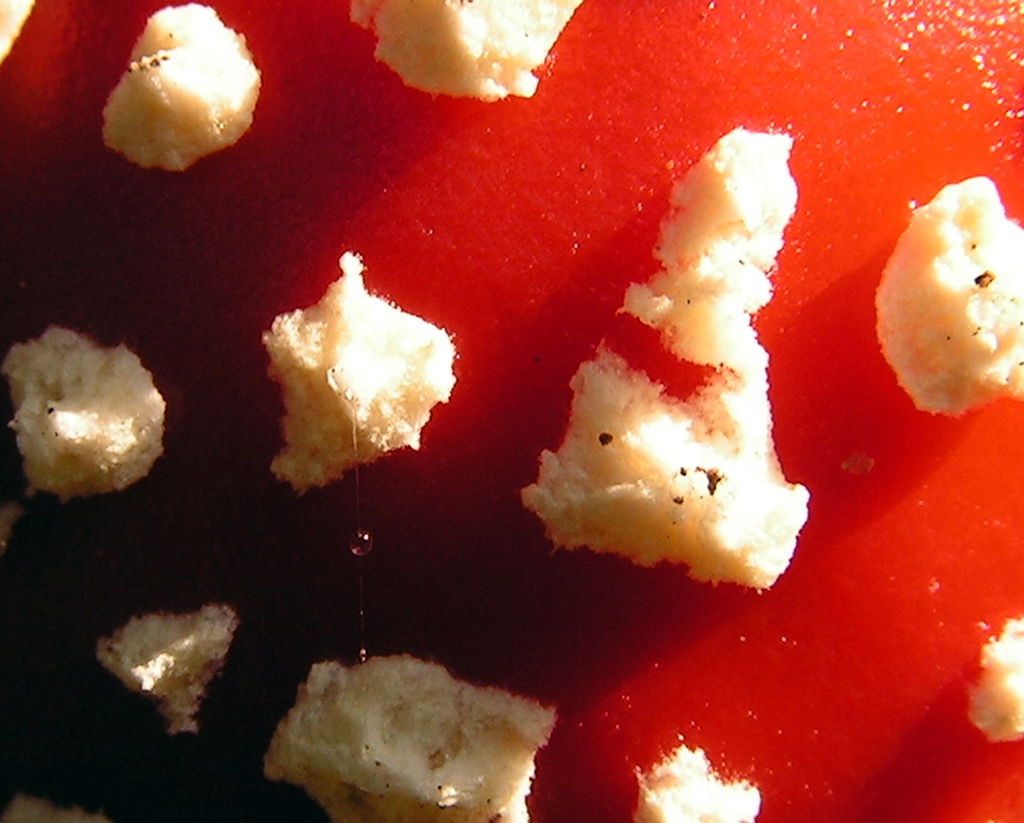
<point>1004,725</point>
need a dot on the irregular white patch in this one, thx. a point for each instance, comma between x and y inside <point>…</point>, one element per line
<point>359,378</point>
<point>88,419</point>
<point>190,90</point>
<point>13,14</point>
<point>26,809</point>
<point>465,48</point>
<point>171,657</point>
<point>398,738</point>
<point>717,245</point>
<point>652,478</point>
<point>950,302</point>
<point>684,789</point>
<point>997,699</point>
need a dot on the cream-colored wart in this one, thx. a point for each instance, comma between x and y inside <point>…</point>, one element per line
<point>683,788</point>
<point>950,302</point>
<point>487,49</point>
<point>171,658</point>
<point>997,699</point>
<point>400,739</point>
<point>190,90</point>
<point>694,481</point>
<point>24,808</point>
<point>13,14</point>
<point>359,377</point>
<point>88,419</point>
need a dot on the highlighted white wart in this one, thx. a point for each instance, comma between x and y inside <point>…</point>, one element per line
<point>997,699</point>
<point>484,48</point>
<point>684,789</point>
<point>359,378</point>
<point>190,90</point>
<point>172,658</point>
<point>13,14</point>
<point>654,478</point>
<point>950,302</point>
<point>88,419</point>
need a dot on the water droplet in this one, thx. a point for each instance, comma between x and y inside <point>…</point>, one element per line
<point>360,543</point>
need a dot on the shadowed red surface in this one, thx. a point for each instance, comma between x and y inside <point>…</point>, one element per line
<point>516,226</point>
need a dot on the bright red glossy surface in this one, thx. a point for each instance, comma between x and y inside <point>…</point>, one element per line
<point>517,225</point>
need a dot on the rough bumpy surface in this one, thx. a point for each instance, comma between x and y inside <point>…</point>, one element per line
<point>684,789</point>
<point>359,378</point>
<point>88,419</point>
<point>172,658</point>
<point>997,700</point>
<point>190,90</point>
<point>654,478</point>
<point>485,48</point>
<point>399,739</point>
<point>951,302</point>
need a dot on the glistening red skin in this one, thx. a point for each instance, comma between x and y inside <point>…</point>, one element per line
<point>516,226</point>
